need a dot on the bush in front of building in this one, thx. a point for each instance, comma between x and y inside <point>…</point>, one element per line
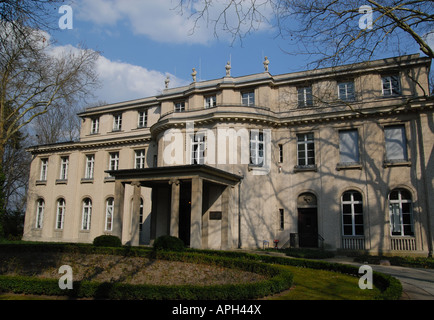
<point>276,279</point>
<point>107,241</point>
<point>168,243</point>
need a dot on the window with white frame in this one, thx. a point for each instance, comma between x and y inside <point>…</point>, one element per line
<point>256,148</point>
<point>198,146</point>
<point>40,208</point>
<point>391,85</point>
<point>179,106</point>
<point>248,98</point>
<point>305,150</point>
<point>346,91</point>
<point>64,164</point>
<point>395,143</point>
<point>140,159</point>
<point>60,213</point>
<point>86,214</point>
<point>94,126</point>
<point>304,96</point>
<point>349,146</point>
<point>401,213</point>
<point>210,101</point>
<point>109,209</point>
<point>90,163</point>
<point>113,160</point>
<point>44,169</point>
<point>143,119</point>
<point>352,214</point>
<point>117,122</point>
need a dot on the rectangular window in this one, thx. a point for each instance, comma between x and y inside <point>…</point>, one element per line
<point>210,102</point>
<point>90,162</point>
<point>180,106</point>
<point>305,98</point>
<point>143,119</point>
<point>281,219</point>
<point>141,215</point>
<point>349,146</point>
<point>113,160</point>
<point>140,159</point>
<point>117,122</point>
<point>346,91</point>
<point>305,150</point>
<point>280,153</point>
<point>256,148</point>
<point>64,164</point>
<point>396,144</point>
<point>198,146</point>
<point>391,85</point>
<point>94,128</point>
<point>44,169</point>
<point>248,98</point>
<point>155,161</point>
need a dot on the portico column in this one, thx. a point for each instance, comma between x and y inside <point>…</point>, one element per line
<point>135,230</point>
<point>174,209</point>
<point>196,213</point>
<point>118,208</point>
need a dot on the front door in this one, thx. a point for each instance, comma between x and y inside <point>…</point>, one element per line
<point>308,227</point>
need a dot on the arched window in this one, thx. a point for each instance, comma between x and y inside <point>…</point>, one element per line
<point>109,209</point>
<point>40,207</point>
<point>60,215</point>
<point>401,213</point>
<point>86,214</point>
<point>352,213</point>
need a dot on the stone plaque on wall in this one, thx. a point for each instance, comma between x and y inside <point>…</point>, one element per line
<point>215,215</point>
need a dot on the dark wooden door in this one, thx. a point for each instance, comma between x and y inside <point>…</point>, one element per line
<point>308,227</point>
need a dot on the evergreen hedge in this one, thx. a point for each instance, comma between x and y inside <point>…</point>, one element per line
<point>280,279</point>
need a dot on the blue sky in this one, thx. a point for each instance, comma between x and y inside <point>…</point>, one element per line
<point>143,41</point>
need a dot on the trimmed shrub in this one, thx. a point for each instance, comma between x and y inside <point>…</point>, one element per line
<point>280,279</point>
<point>107,241</point>
<point>168,243</point>
<point>277,280</point>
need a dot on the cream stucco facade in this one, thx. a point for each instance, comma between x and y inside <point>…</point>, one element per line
<point>338,157</point>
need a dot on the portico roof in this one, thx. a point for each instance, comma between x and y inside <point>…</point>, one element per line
<point>152,176</point>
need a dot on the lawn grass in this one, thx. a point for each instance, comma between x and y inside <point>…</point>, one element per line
<point>310,284</point>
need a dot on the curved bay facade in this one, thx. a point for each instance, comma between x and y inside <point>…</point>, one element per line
<point>339,158</point>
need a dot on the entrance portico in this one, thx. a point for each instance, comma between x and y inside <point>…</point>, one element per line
<point>190,202</point>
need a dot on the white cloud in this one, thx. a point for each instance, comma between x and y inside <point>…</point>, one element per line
<point>161,20</point>
<point>121,81</point>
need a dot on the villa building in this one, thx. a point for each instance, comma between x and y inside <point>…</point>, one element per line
<point>340,158</point>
